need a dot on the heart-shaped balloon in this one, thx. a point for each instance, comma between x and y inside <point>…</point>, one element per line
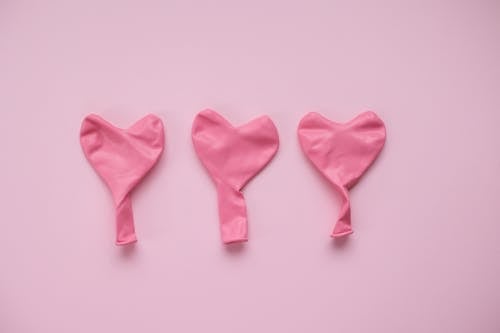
<point>342,153</point>
<point>233,156</point>
<point>122,157</point>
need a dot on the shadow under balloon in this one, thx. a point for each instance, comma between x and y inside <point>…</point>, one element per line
<point>129,251</point>
<point>235,249</point>
<point>340,243</point>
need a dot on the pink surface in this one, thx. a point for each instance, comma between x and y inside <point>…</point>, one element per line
<point>342,152</point>
<point>425,255</point>
<point>233,155</point>
<point>122,158</point>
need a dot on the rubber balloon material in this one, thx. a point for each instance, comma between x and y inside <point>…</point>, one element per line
<point>122,157</point>
<point>342,153</point>
<point>233,156</point>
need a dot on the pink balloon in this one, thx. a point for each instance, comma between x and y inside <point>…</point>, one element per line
<point>122,157</point>
<point>233,156</point>
<point>342,153</point>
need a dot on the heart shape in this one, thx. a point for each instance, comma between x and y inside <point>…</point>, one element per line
<point>342,153</point>
<point>122,157</point>
<point>232,157</point>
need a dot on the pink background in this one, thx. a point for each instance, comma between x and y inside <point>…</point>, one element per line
<point>425,255</point>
